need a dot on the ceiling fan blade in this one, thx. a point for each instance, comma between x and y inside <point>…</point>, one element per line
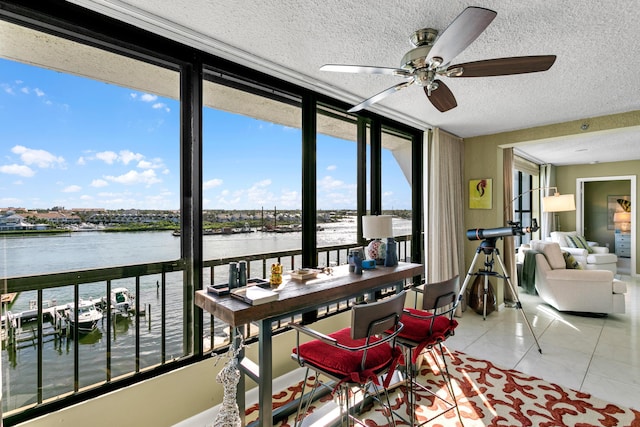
<point>461,33</point>
<point>377,97</point>
<point>502,66</point>
<point>364,69</point>
<point>442,98</point>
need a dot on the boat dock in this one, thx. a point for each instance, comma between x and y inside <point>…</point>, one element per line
<point>17,329</point>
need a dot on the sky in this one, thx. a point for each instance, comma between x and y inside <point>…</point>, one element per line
<point>73,142</point>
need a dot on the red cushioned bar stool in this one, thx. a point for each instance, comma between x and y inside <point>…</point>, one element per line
<point>425,330</point>
<point>357,357</point>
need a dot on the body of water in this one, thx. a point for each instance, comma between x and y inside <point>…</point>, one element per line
<point>24,256</point>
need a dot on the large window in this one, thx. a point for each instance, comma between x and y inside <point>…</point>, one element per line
<point>96,167</point>
<point>336,178</point>
<point>86,166</point>
<point>251,169</point>
<point>396,179</point>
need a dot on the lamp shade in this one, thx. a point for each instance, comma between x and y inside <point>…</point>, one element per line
<point>559,203</point>
<point>377,226</point>
<point>622,217</point>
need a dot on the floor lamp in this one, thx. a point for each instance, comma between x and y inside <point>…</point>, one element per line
<point>554,203</point>
<point>558,203</point>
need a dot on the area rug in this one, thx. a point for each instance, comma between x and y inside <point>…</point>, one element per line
<point>487,396</point>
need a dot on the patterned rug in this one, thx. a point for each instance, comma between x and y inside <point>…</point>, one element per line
<point>487,396</point>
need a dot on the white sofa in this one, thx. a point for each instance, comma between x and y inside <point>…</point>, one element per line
<point>588,291</point>
<point>600,259</point>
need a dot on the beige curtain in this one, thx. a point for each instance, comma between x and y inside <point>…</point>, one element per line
<point>509,255</point>
<point>444,202</point>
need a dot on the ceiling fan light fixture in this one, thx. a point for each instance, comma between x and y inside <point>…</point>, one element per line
<point>435,62</point>
<point>454,72</point>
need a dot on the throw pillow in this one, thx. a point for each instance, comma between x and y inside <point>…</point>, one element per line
<point>560,237</point>
<point>579,242</point>
<point>571,262</point>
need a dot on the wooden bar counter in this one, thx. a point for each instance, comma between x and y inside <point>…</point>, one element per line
<point>296,297</point>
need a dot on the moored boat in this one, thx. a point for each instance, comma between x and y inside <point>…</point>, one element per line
<point>122,301</point>
<point>88,316</point>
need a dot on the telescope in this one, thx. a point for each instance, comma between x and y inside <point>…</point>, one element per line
<point>514,229</point>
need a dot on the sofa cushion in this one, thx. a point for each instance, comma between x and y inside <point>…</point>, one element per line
<point>579,242</point>
<point>602,259</point>
<point>570,261</point>
<point>560,237</point>
<point>552,253</point>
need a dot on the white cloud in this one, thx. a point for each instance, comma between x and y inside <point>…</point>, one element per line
<point>151,164</point>
<point>81,161</point>
<point>124,157</point>
<point>332,167</point>
<point>263,183</point>
<point>147,97</point>
<point>86,197</point>
<point>127,156</point>
<point>147,177</point>
<point>158,105</point>
<point>212,183</point>
<point>107,156</point>
<point>40,158</point>
<point>97,183</point>
<point>72,189</point>
<point>38,92</point>
<point>289,199</point>
<point>10,201</point>
<point>327,183</point>
<point>14,169</point>
<point>8,89</point>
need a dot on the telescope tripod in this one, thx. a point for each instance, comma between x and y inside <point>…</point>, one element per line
<point>488,248</point>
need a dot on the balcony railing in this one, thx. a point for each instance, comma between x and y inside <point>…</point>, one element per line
<point>42,349</point>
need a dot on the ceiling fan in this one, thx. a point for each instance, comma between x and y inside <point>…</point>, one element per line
<point>432,54</point>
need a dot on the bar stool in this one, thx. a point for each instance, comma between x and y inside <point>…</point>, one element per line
<point>354,356</point>
<point>427,329</point>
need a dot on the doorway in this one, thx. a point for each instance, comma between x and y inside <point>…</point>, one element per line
<point>592,197</point>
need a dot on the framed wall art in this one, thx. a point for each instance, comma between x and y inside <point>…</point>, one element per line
<point>480,193</point>
<point>616,204</point>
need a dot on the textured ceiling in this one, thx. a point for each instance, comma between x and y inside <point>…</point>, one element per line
<point>595,73</point>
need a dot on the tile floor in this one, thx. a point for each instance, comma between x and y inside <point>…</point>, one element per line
<point>597,355</point>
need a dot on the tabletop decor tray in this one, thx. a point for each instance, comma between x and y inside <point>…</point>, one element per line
<point>254,295</point>
<point>223,289</point>
<point>304,273</point>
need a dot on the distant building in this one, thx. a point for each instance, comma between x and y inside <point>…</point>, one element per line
<point>58,218</point>
<point>10,221</point>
